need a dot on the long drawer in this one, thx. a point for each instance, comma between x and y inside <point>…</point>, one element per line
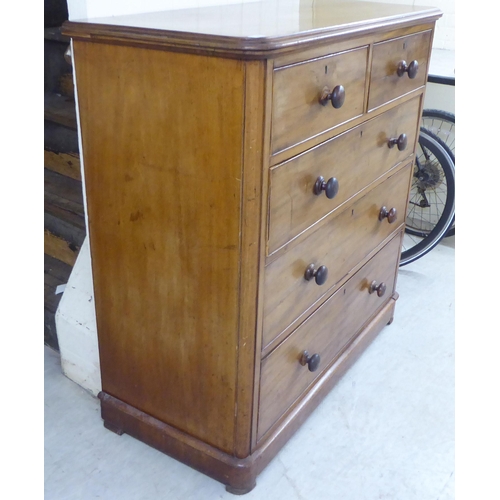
<point>284,377</point>
<point>339,245</point>
<point>297,112</point>
<point>348,163</point>
<point>390,77</point>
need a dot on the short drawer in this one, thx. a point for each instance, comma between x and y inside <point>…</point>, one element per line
<point>349,163</point>
<point>388,80</point>
<point>283,377</point>
<point>298,113</point>
<point>339,244</point>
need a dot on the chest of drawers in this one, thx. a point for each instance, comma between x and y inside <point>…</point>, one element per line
<point>247,170</point>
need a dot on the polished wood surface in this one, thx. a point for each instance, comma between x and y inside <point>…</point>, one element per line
<point>255,157</point>
<point>251,29</point>
<point>284,378</point>
<point>162,267</point>
<point>226,227</point>
<point>385,82</point>
<point>339,245</point>
<point>235,472</point>
<point>355,159</point>
<point>298,90</point>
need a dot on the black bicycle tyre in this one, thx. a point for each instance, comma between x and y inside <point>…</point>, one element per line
<point>429,141</point>
<point>420,233</point>
<point>447,117</point>
<point>444,116</point>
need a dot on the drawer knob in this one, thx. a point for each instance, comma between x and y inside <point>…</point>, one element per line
<point>330,187</point>
<point>320,274</point>
<point>391,215</point>
<point>379,288</point>
<point>401,142</point>
<point>312,361</point>
<point>336,96</point>
<point>411,69</point>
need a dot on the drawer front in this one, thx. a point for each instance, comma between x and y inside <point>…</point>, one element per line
<point>385,83</point>
<point>326,332</point>
<point>340,244</point>
<point>297,112</point>
<point>355,159</point>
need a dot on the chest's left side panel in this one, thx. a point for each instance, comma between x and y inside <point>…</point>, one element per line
<point>163,155</point>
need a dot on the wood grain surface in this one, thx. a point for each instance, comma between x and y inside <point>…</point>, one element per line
<point>259,29</point>
<point>356,159</point>
<point>201,142</point>
<point>164,219</point>
<point>339,245</point>
<point>385,84</point>
<point>297,112</point>
<point>326,333</point>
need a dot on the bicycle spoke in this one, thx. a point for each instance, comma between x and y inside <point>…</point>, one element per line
<point>430,208</point>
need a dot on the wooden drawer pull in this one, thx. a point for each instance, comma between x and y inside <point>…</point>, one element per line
<point>401,142</point>
<point>330,187</point>
<point>336,96</point>
<point>391,215</point>
<point>411,69</point>
<point>320,274</point>
<point>379,288</point>
<point>312,361</point>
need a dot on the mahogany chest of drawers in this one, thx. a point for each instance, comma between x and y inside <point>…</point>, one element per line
<point>247,170</point>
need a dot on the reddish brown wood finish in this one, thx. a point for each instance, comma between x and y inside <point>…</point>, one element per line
<point>342,242</point>
<point>283,377</point>
<point>191,247</point>
<point>355,159</point>
<point>166,274</point>
<point>240,474</point>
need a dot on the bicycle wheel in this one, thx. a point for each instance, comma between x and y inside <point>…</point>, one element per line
<point>431,179</point>
<point>442,124</point>
<point>431,207</point>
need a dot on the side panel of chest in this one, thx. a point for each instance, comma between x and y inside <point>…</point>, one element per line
<point>163,173</point>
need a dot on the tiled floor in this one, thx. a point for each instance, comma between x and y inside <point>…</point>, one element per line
<point>386,431</point>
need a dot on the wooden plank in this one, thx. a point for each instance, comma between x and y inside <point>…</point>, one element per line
<point>67,164</point>
<point>51,300</point>
<point>50,334</point>
<point>56,268</point>
<point>66,85</point>
<point>60,249</point>
<point>64,224</point>
<point>56,273</point>
<point>66,205</point>
<point>66,216</point>
<point>60,138</point>
<point>54,34</point>
<point>60,109</point>
<point>67,190</point>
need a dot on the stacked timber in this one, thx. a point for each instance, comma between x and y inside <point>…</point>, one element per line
<point>64,220</point>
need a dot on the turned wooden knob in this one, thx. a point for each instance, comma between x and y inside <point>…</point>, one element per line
<point>330,187</point>
<point>312,361</point>
<point>336,96</point>
<point>411,69</point>
<point>320,274</point>
<point>391,215</point>
<point>380,288</point>
<point>401,142</point>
